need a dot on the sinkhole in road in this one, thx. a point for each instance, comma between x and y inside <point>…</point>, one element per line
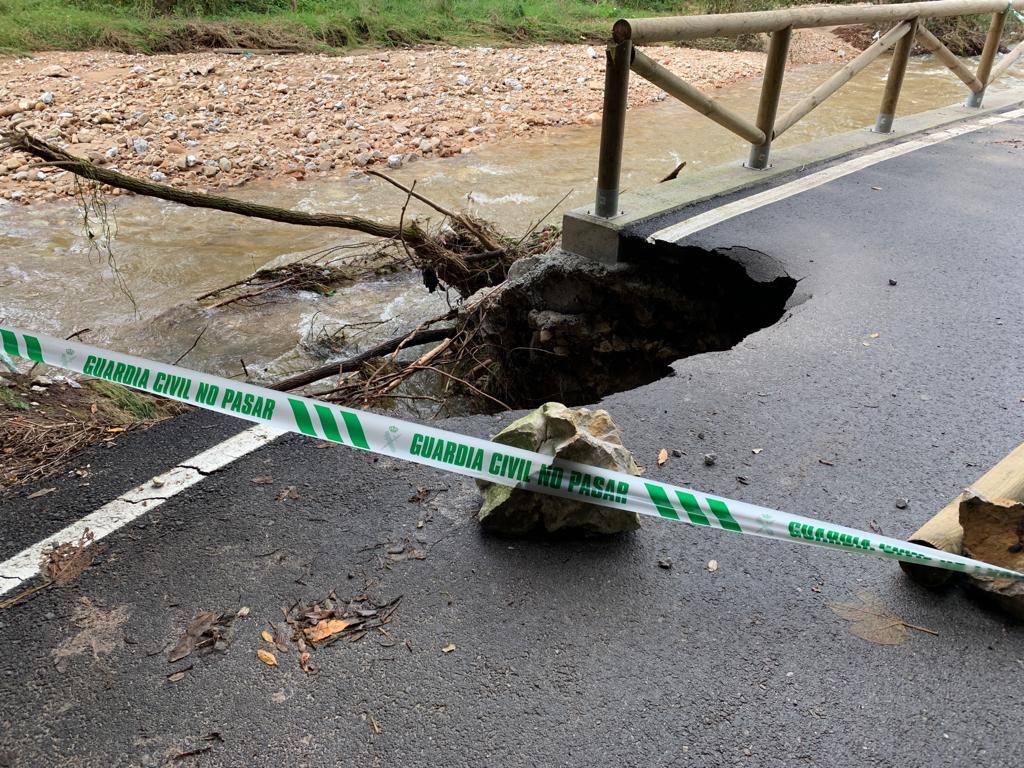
<point>574,330</point>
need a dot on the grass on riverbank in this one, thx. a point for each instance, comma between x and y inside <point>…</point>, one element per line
<point>42,428</point>
<point>155,26</point>
<point>175,26</point>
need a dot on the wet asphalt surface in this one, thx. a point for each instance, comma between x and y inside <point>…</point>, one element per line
<point>587,652</point>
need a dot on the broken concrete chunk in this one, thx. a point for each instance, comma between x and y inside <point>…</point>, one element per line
<point>573,434</point>
<point>994,533</point>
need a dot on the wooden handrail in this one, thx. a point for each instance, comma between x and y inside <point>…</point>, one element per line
<point>840,78</point>
<point>666,29</point>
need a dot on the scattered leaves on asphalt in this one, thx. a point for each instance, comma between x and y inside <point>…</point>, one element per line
<point>288,493</point>
<point>448,648</point>
<point>262,480</point>
<point>176,677</point>
<point>329,620</point>
<point>872,621</point>
<point>404,551</point>
<point>327,628</point>
<point>266,657</point>
<point>267,637</point>
<point>67,561</point>
<point>421,495</point>
<point>207,630</point>
<point>41,492</point>
<point>662,457</point>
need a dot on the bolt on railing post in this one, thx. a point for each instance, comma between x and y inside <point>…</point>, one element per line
<point>894,82</point>
<point>613,127</point>
<point>988,54</point>
<point>771,88</point>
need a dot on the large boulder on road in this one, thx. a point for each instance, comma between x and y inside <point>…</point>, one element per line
<point>573,434</point>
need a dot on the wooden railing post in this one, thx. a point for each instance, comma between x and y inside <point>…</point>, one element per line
<point>988,54</point>
<point>613,128</point>
<point>771,88</point>
<point>894,82</point>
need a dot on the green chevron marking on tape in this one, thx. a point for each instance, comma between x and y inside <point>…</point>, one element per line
<point>471,456</point>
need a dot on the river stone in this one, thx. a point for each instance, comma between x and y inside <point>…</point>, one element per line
<point>573,434</point>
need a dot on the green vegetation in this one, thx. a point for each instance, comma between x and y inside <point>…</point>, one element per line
<point>161,26</point>
<point>181,25</point>
<point>10,399</point>
<point>138,406</point>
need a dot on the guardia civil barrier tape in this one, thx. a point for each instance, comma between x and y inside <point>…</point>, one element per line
<point>471,456</point>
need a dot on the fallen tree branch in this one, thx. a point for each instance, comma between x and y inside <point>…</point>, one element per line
<point>53,155</point>
<point>384,348</point>
<point>485,240</point>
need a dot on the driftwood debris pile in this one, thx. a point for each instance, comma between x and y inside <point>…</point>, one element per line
<point>462,253</point>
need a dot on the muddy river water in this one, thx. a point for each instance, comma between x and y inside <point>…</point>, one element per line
<point>52,282</point>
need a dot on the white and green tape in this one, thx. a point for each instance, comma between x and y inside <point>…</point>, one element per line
<point>471,456</point>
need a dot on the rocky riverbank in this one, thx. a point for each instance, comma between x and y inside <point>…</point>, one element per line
<point>213,120</point>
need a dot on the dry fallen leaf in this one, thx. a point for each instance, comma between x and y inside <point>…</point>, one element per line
<point>420,496</point>
<point>262,480</point>
<point>327,628</point>
<point>267,637</point>
<point>207,629</point>
<point>176,677</point>
<point>288,493</point>
<point>242,612</point>
<point>448,648</point>
<point>62,563</point>
<point>41,492</point>
<point>202,622</point>
<point>873,622</point>
<point>662,457</point>
<point>266,657</point>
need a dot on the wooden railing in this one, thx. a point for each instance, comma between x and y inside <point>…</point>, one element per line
<point>908,21</point>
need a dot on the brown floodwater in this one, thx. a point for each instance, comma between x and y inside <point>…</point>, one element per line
<point>52,282</point>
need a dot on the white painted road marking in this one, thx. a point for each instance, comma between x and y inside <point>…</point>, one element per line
<point>137,502</point>
<point>730,210</point>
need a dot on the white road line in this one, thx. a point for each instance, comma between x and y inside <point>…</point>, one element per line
<point>728,211</point>
<point>136,502</point>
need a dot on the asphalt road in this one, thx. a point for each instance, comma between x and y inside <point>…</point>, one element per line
<point>588,653</point>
